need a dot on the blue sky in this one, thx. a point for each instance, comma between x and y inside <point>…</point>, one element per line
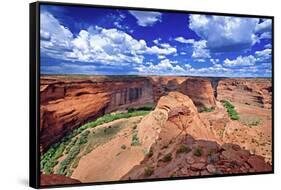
<point>99,41</point>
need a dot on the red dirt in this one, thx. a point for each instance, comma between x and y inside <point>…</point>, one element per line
<point>54,179</point>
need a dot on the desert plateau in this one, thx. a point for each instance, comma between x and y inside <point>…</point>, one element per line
<point>113,128</point>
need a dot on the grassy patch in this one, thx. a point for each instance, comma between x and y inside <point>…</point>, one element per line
<point>250,121</point>
<point>64,165</point>
<point>206,109</point>
<point>147,107</point>
<point>231,110</point>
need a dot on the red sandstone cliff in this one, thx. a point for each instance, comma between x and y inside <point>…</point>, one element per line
<point>256,92</point>
<point>69,103</point>
<point>198,89</point>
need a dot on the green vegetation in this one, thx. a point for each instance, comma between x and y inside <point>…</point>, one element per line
<point>206,109</point>
<point>147,107</point>
<point>231,110</point>
<point>64,165</point>
<point>183,149</point>
<point>83,138</point>
<point>148,171</point>
<point>167,158</point>
<point>123,147</point>
<point>76,162</point>
<point>68,160</point>
<point>49,159</point>
<point>71,144</point>
<point>135,138</point>
<point>250,121</point>
<point>198,152</point>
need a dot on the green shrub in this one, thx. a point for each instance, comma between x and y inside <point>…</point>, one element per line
<point>230,110</point>
<point>130,110</point>
<point>167,158</point>
<point>59,151</point>
<point>76,162</point>
<point>71,145</point>
<point>198,152</point>
<point>135,138</point>
<point>69,173</point>
<point>148,171</point>
<point>67,161</point>
<point>183,149</point>
<point>144,108</point>
<point>83,137</point>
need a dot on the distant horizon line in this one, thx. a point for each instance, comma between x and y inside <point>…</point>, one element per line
<point>42,74</point>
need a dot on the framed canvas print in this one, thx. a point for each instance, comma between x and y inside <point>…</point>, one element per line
<point>123,94</point>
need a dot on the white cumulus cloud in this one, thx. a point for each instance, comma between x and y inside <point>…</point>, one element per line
<point>224,33</point>
<point>165,66</point>
<point>240,61</point>
<point>54,37</point>
<point>264,55</point>
<point>200,50</point>
<point>185,41</point>
<point>264,26</point>
<point>95,44</point>
<point>145,18</point>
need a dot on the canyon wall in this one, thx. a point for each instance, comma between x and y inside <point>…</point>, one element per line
<point>68,103</point>
<point>198,89</point>
<point>255,92</point>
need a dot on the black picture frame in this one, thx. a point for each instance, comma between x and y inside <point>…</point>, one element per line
<point>34,91</point>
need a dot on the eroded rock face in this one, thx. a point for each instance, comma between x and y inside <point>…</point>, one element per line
<point>184,146</point>
<point>54,179</point>
<point>178,114</point>
<point>256,92</point>
<point>200,91</point>
<point>69,103</point>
